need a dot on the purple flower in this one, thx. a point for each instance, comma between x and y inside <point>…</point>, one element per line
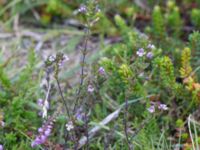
<point>90,88</point>
<point>33,144</point>
<point>151,46</point>
<point>40,102</point>
<point>47,132</point>
<point>2,123</point>
<point>43,138</point>
<point>101,71</point>
<point>80,115</point>
<point>44,132</point>
<point>157,105</point>
<point>40,130</point>
<point>140,52</point>
<point>64,59</point>
<point>1,147</point>
<point>162,107</point>
<point>49,126</point>
<point>151,109</point>
<point>82,9</point>
<point>149,55</point>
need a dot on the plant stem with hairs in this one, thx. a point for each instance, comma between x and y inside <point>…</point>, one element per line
<point>84,52</point>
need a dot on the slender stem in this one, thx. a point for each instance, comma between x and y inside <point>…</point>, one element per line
<point>82,68</point>
<point>86,128</point>
<point>61,94</point>
<point>190,132</point>
<point>125,123</point>
<point>66,107</point>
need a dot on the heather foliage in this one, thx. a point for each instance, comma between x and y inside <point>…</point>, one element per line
<point>89,74</point>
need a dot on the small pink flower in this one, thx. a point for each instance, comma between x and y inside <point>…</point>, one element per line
<point>151,46</point>
<point>140,52</point>
<point>82,9</point>
<point>44,133</point>
<point>64,59</point>
<point>151,109</point>
<point>162,107</point>
<point>40,130</point>
<point>40,102</point>
<point>2,123</point>
<point>101,71</point>
<point>47,132</point>
<point>149,55</point>
<point>90,88</point>
<point>1,147</point>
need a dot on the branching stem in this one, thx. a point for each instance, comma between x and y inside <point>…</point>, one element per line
<point>62,97</point>
<point>84,52</point>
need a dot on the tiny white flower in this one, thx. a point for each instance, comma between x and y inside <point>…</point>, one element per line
<point>69,126</point>
<point>141,74</point>
<point>66,58</point>
<point>51,58</point>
